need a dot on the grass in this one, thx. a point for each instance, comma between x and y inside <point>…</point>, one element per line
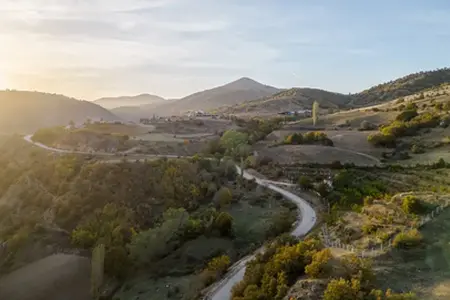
<point>125,129</point>
<point>426,271</point>
<point>181,279</point>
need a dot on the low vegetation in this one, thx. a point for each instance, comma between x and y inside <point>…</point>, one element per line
<point>308,138</point>
<point>163,218</point>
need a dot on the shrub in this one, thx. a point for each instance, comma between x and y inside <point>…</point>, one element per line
<point>365,125</point>
<point>368,200</point>
<point>223,197</point>
<point>305,182</point>
<point>219,265</point>
<point>224,223</point>
<point>369,228</point>
<point>417,149</point>
<point>408,239</point>
<point>407,115</point>
<point>382,140</point>
<point>319,265</point>
<point>412,205</point>
<point>341,289</point>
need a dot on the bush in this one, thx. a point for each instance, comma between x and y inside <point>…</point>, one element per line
<point>382,140</point>
<point>320,264</point>
<point>341,289</point>
<point>305,182</point>
<point>407,115</point>
<point>412,205</point>
<point>408,239</point>
<point>365,125</point>
<point>224,223</point>
<point>368,200</point>
<point>417,149</point>
<point>312,137</point>
<point>222,197</point>
<point>219,265</point>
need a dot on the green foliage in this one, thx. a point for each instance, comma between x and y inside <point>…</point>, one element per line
<point>341,289</point>
<point>404,86</point>
<point>408,239</point>
<point>231,139</point>
<point>305,182</point>
<point>350,188</point>
<point>320,264</point>
<point>359,269</point>
<point>389,295</point>
<point>399,128</point>
<point>48,136</point>
<point>407,115</point>
<point>224,223</point>
<point>382,140</point>
<point>315,112</point>
<point>417,149</point>
<point>152,244</point>
<point>219,265</point>
<point>412,205</point>
<point>269,275</point>
<point>223,197</point>
<point>312,137</point>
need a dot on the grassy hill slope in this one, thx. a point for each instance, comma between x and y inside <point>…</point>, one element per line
<point>24,112</point>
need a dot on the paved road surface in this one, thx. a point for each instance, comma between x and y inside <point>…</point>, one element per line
<point>307,219</point>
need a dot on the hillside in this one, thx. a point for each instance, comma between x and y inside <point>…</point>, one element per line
<point>114,102</point>
<point>302,98</point>
<point>292,99</point>
<point>401,87</point>
<point>238,91</point>
<point>24,112</point>
<point>172,226</point>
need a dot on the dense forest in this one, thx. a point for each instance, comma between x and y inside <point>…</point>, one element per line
<point>150,215</point>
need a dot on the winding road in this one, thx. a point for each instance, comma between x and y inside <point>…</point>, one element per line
<point>222,289</point>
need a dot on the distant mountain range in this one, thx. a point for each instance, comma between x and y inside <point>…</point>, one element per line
<point>25,112</point>
<point>114,102</point>
<point>238,91</point>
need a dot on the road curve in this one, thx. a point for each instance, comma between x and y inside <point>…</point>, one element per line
<point>222,289</point>
<point>306,221</point>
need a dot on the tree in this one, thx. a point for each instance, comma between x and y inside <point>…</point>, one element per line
<point>341,289</point>
<point>320,264</point>
<point>219,265</point>
<point>224,223</point>
<point>412,205</point>
<point>231,139</point>
<point>305,182</point>
<point>222,197</point>
<point>315,112</point>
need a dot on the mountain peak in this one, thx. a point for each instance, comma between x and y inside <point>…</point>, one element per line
<point>245,83</point>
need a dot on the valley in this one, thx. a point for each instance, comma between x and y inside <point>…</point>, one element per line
<point>232,205</point>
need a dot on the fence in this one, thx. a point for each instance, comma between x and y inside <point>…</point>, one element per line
<point>330,243</point>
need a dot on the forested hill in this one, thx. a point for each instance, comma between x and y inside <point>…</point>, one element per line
<point>163,218</point>
<point>401,87</point>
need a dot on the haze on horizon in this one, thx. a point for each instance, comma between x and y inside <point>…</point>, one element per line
<point>171,48</point>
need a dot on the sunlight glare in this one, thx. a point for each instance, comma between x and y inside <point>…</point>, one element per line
<point>3,83</point>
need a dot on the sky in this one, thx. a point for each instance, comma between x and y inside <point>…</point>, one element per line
<point>94,48</point>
